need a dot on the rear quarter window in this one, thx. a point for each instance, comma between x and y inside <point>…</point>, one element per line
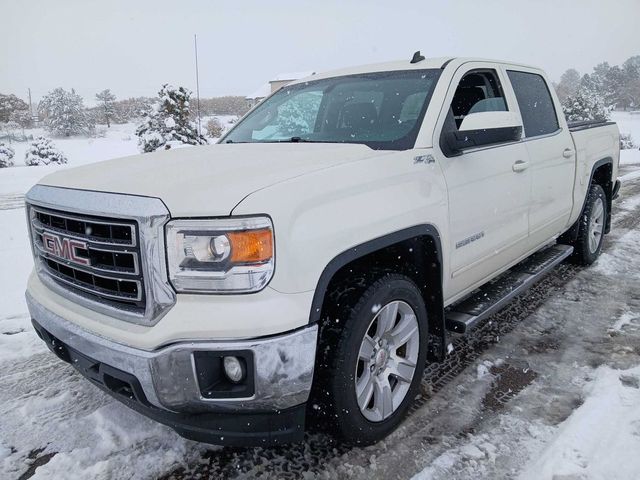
<point>536,105</point>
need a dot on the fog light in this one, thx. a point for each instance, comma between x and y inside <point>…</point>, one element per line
<point>233,369</point>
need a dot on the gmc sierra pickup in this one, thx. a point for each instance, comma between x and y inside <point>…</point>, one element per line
<point>309,264</point>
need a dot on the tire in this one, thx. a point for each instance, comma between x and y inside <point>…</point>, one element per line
<point>588,244</point>
<point>344,368</point>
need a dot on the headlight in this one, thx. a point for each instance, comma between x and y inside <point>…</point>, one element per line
<point>231,255</point>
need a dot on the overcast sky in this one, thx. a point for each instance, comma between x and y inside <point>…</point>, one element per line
<point>134,46</point>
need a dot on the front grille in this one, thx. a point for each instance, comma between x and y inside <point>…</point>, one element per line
<point>95,257</point>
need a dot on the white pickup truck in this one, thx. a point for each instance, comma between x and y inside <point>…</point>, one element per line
<point>309,264</point>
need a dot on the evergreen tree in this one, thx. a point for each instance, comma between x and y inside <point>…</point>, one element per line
<point>6,156</point>
<point>296,116</point>
<point>22,118</point>
<point>43,152</point>
<point>169,123</point>
<point>64,113</point>
<point>107,99</point>
<point>632,66</point>
<point>9,105</point>
<point>588,103</point>
<point>630,89</point>
<point>569,83</point>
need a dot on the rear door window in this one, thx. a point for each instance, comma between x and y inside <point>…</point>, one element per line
<point>536,105</point>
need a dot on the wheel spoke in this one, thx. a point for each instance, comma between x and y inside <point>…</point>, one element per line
<point>366,348</point>
<point>404,330</point>
<point>597,210</point>
<point>402,369</point>
<point>383,398</point>
<point>596,225</point>
<point>597,228</point>
<point>364,389</point>
<point>386,318</point>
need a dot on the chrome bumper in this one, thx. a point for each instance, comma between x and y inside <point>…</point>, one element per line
<point>283,366</point>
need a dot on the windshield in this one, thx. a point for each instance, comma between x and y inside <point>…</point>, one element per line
<point>383,110</point>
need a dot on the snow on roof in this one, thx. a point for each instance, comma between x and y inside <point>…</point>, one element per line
<point>383,67</point>
<point>265,90</point>
<point>281,77</point>
<point>261,92</point>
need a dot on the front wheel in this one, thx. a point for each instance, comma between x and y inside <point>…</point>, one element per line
<point>374,371</point>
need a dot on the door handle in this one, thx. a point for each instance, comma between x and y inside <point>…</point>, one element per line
<point>520,166</point>
<point>568,152</point>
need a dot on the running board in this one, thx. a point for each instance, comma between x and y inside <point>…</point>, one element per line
<point>488,299</point>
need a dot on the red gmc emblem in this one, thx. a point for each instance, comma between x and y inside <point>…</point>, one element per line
<point>66,248</point>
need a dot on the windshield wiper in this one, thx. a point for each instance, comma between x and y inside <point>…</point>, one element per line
<point>292,140</point>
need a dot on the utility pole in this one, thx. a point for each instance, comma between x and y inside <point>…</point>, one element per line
<point>30,108</point>
<point>195,45</point>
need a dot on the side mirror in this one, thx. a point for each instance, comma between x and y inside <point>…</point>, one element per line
<point>484,128</point>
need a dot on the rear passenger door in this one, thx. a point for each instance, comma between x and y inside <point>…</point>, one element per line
<point>488,186</point>
<point>551,155</point>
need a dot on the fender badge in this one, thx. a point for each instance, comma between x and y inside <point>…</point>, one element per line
<point>424,159</point>
<point>468,240</point>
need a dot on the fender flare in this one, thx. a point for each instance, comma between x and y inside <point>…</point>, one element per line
<point>435,305</point>
<point>572,232</point>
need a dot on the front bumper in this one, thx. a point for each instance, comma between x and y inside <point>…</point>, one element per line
<point>164,384</point>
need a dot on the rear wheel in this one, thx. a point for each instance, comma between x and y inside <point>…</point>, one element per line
<point>588,245</point>
<point>373,372</point>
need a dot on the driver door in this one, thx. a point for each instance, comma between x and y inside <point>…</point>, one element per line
<point>488,185</point>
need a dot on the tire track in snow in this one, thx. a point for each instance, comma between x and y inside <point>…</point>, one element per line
<point>452,407</point>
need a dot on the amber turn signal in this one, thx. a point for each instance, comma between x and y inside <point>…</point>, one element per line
<point>251,246</point>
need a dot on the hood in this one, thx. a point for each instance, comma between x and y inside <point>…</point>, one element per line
<point>207,180</point>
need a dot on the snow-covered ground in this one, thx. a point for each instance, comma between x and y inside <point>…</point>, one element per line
<point>629,124</point>
<point>548,389</point>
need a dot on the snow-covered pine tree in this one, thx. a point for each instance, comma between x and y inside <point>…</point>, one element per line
<point>22,118</point>
<point>107,107</point>
<point>43,152</point>
<point>169,123</point>
<point>10,104</point>
<point>6,156</point>
<point>297,115</point>
<point>64,113</point>
<point>586,104</point>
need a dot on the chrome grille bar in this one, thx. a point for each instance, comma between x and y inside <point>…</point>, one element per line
<point>92,288</point>
<point>104,261</point>
<point>89,229</point>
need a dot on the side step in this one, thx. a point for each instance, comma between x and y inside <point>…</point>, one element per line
<point>493,296</point>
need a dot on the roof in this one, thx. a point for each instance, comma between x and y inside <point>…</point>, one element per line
<point>382,67</point>
<point>427,63</point>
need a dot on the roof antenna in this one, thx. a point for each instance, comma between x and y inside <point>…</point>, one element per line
<point>417,57</point>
